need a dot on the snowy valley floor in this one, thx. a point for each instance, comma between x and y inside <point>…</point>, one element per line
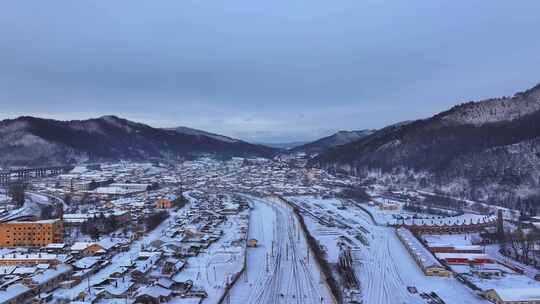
<point>384,268</point>
<point>278,269</point>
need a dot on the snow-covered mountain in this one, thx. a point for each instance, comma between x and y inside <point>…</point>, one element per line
<point>201,133</point>
<point>283,145</point>
<point>336,139</point>
<point>36,141</point>
<point>494,110</point>
<point>487,150</point>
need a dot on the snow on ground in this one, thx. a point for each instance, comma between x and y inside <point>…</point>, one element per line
<point>493,251</point>
<point>118,261</point>
<point>211,270</point>
<point>511,279</point>
<point>386,269</point>
<point>29,208</point>
<point>507,281</point>
<point>289,276</point>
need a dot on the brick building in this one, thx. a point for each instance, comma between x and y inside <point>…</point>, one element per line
<point>31,234</point>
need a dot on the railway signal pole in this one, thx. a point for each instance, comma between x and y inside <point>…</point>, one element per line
<point>266,262</point>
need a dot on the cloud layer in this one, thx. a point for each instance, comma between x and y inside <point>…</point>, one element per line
<point>263,71</point>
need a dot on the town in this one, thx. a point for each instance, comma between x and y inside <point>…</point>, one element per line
<point>251,230</point>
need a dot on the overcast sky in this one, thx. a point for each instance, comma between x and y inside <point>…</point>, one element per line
<point>270,71</point>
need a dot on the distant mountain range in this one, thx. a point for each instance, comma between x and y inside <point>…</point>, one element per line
<point>487,150</point>
<point>31,141</point>
<point>284,145</point>
<point>334,140</point>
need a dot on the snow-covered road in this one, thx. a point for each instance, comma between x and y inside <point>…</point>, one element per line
<point>278,270</point>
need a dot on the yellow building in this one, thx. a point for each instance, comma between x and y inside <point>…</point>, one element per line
<point>164,203</point>
<point>38,233</point>
<point>529,295</point>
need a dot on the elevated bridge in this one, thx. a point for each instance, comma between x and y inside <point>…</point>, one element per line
<point>25,174</point>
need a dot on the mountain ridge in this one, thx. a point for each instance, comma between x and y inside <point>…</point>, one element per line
<point>339,138</point>
<point>32,140</point>
<point>479,145</point>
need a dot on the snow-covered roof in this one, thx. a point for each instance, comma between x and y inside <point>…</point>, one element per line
<point>50,274</point>
<point>55,246</point>
<point>468,256</point>
<point>13,292</point>
<point>464,219</point>
<point>32,256</point>
<point>518,294</point>
<point>154,291</point>
<point>417,249</point>
<point>79,246</point>
<point>86,262</point>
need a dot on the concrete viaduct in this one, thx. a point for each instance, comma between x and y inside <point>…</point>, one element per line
<point>16,175</point>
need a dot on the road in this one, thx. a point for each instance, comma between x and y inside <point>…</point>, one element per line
<point>278,270</point>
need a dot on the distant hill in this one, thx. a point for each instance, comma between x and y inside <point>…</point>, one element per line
<point>37,141</point>
<point>202,134</point>
<point>337,139</point>
<point>286,146</point>
<point>487,150</point>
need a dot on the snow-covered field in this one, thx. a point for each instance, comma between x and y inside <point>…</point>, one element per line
<point>278,269</point>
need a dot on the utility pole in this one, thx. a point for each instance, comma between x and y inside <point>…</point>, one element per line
<point>266,262</point>
<point>272,252</point>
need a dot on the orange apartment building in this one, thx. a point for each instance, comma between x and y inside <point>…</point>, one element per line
<point>31,234</point>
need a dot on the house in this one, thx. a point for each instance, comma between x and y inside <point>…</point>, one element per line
<point>50,279</point>
<point>21,259</point>
<point>15,294</point>
<point>514,295</point>
<point>252,243</point>
<point>55,247</point>
<point>166,202</point>
<point>389,206</point>
<point>86,263</point>
<point>92,248</point>
<point>172,265</point>
<point>153,294</point>
<point>119,288</point>
<point>144,264</point>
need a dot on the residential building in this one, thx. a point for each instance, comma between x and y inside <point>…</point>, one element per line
<point>31,234</point>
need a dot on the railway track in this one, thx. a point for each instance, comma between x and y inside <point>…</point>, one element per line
<point>289,279</point>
